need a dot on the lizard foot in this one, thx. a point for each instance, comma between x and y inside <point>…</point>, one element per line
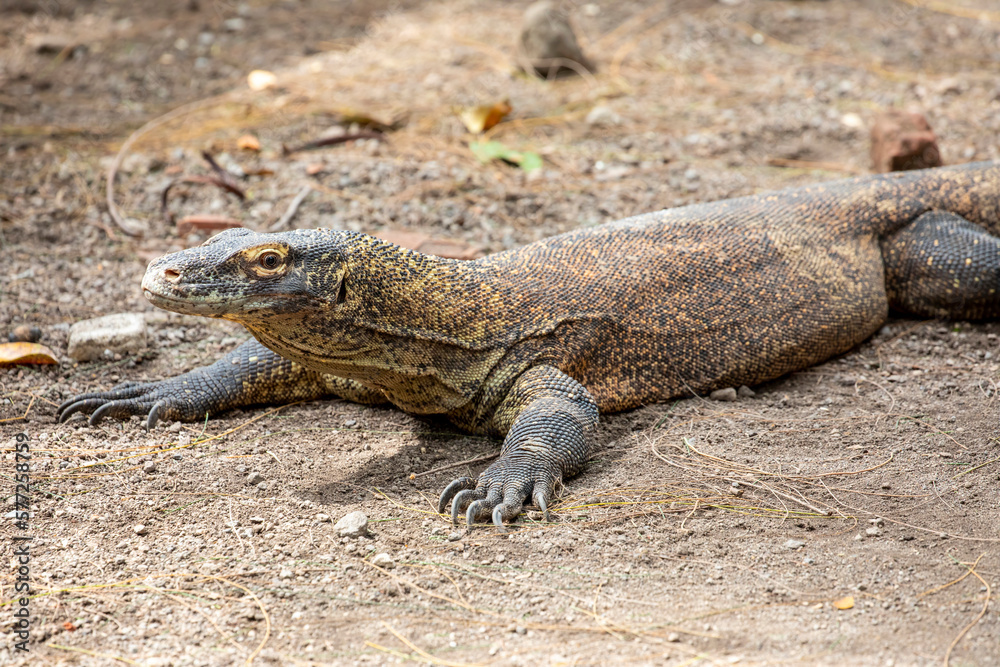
<point>173,399</point>
<point>500,492</point>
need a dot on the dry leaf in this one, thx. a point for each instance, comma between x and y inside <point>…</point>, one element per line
<point>68,626</point>
<point>259,79</point>
<point>248,142</point>
<point>15,354</point>
<point>479,119</point>
<point>845,603</point>
<point>205,222</point>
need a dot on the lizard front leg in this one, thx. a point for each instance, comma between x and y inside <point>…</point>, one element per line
<point>549,419</point>
<point>249,375</point>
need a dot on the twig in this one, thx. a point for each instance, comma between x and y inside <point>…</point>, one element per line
<point>292,209</point>
<point>478,459</point>
<point>227,178</point>
<point>982,612</point>
<point>786,496</point>
<point>809,164</point>
<point>331,141</point>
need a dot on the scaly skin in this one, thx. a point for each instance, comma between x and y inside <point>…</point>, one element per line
<point>531,344</point>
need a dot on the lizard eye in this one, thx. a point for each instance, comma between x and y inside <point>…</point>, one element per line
<point>269,260</point>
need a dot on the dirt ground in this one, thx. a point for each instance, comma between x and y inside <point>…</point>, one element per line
<point>863,529</point>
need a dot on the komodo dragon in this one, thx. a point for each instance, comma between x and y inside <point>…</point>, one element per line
<point>531,344</point>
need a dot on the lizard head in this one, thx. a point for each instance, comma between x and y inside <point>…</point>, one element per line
<point>244,276</point>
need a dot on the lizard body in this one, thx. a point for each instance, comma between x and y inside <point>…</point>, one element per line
<point>532,343</point>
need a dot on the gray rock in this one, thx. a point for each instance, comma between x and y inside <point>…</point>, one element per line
<point>548,43</point>
<point>794,544</point>
<point>139,529</point>
<point>745,392</point>
<point>354,524</point>
<point>873,531</point>
<point>254,478</point>
<point>324,518</point>
<point>149,467</point>
<point>601,116</point>
<point>124,333</point>
<point>383,560</point>
<point>727,394</point>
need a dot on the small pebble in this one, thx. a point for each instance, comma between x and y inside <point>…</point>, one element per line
<point>139,529</point>
<point>325,518</point>
<point>383,560</point>
<point>745,392</point>
<point>727,394</point>
<point>254,478</point>
<point>149,467</point>
<point>873,531</point>
<point>25,333</point>
<point>794,544</point>
<point>354,524</point>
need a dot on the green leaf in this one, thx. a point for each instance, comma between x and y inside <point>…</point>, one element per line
<point>487,151</point>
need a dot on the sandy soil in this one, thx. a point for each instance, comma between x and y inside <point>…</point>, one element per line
<point>870,482</point>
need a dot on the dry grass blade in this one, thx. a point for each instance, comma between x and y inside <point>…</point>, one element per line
<point>979,616</point>
<point>425,656</point>
<point>93,654</point>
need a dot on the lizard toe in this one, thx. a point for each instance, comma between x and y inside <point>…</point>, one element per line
<point>120,409</point>
<point>483,507</point>
<point>450,491</point>
<point>71,407</point>
<point>464,499</point>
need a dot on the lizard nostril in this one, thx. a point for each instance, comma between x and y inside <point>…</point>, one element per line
<point>171,275</point>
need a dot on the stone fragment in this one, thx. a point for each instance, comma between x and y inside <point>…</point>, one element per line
<point>383,560</point>
<point>727,394</point>
<point>903,140</point>
<point>745,392</point>
<point>794,544</point>
<point>354,524</point>
<point>548,44</point>
<point>25,333</point>
<point>123,333</point>
<point>139,529</point>
<point>601,116</point>
<point>149,467</point>
<point>254,478</point>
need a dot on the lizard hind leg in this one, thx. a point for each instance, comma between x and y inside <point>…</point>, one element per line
<point>549,419</point>
<point>942,265</point>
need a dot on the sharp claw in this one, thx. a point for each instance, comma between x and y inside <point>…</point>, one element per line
<point>498,518</point>
<point>470,514</point>
<point>540,501</point>
<point>450,491</point>
<point>100,412</point>
<point>456,504</point>
<point>154,415</point>
<point>75,406</point>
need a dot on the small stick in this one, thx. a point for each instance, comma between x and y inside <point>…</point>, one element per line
<point>478,459</point>
<point>292,209</point>
<point>331,141</point>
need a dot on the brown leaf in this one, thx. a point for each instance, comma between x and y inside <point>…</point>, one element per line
<point>16,354</point>
<point>248,142</point>
<point>205,222</point>
<point>481,118</point>
<point>430,246</point>
<point>844,603</point>
<point>68,626</point>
